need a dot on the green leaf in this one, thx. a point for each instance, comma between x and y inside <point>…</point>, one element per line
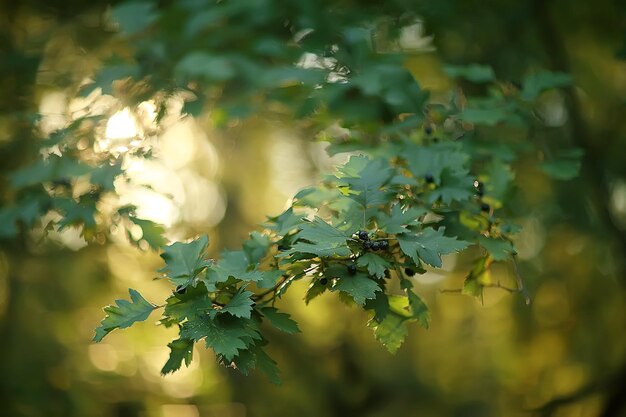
<point>429,245</point>
<point>107,75</point>
<point>499,249</point>
<point>124,314</point>
<point>281,321</point>
<point>134,17</point>
<point>184,260</point>
<point>55,168</point>
<point>488,117</point>
<point>240,305</point>
<point>565,166</point>
<point>390,332</point>
<point>233,264</point>
<point>284,223</point>
<point>151,232</point>
<point>9,216</point>
<point>205,66</point>
<point>105,175</point>
<point>455,186</point>
<point>434,159</point>
<point>399,218</point>
<point>359,286</point>
<point>375,264</point>
<point>419,309</point>
<point>323,239</point>
<point>314,290</point>
<point>193,302</point>
<point>535,84</point>
<point>256,247</point>
<point>268,366</point>
<point>225,336</point>
<point>477,277</point>
<point>380,306</point>
<point>473,72</point>
<point>499,179</point>
<point>181,350</point>
<point>361,179</point>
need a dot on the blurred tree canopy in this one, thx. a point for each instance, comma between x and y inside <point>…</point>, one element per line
<point>495,127</point>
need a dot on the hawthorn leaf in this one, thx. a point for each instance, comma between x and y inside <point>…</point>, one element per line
<point>193,302</point>
<point>267,365</point>
<point>398,219</point>
<point>322,239</point>
<point>534,84</point>
<point>380,306</point>
<point>281,321</point>
<point>180,350</point>
<point>429,245</point>
<point>233,264</point>
<point>391,332</point>
<point>358,286</point>
<point>499,249</point>
<point>284,223</point>
<point>314,290</point>
<point>434,159</point>
<point>152,232</point>
<point>475,73</point>
<point>240,305</point>
<point>184,260</point>
<point>362,180</point>
<point>376,265</point>
<point>134,17</point>
<point>256,247</point>
<point>124,314</point>
<point>454,186</point>
<point>419,309</point>
<point>225,337</point>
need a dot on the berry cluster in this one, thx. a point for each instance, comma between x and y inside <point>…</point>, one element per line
<point>375,245</point>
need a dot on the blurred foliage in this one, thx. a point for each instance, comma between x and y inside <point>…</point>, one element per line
<point>561,355</point>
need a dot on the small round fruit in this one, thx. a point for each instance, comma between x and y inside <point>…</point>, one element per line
<point>409,272</point>
<point>375,245</point>
<point>363,235</point>
<point>367,244</point>
<point>384,244</point>
<point>485,207</point>
<point>428,130</point>
<point>351,269</point>
<point>429,178</point>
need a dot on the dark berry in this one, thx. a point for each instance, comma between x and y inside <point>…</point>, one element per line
<point>384,244</point>
<point>485,207</point>
<point>429,178</point>
<point>351,269</point>
<point>363,235</point>
<point>409,272</point>
<point>323,281</point>
<point>375,245</point>
<point>428,130</point>
<point>367,244</point>
<point>180,290</point>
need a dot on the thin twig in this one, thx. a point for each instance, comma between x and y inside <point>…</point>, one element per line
<point>520,282</point>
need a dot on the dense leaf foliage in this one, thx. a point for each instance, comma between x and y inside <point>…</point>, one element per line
<point>421,182</point>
